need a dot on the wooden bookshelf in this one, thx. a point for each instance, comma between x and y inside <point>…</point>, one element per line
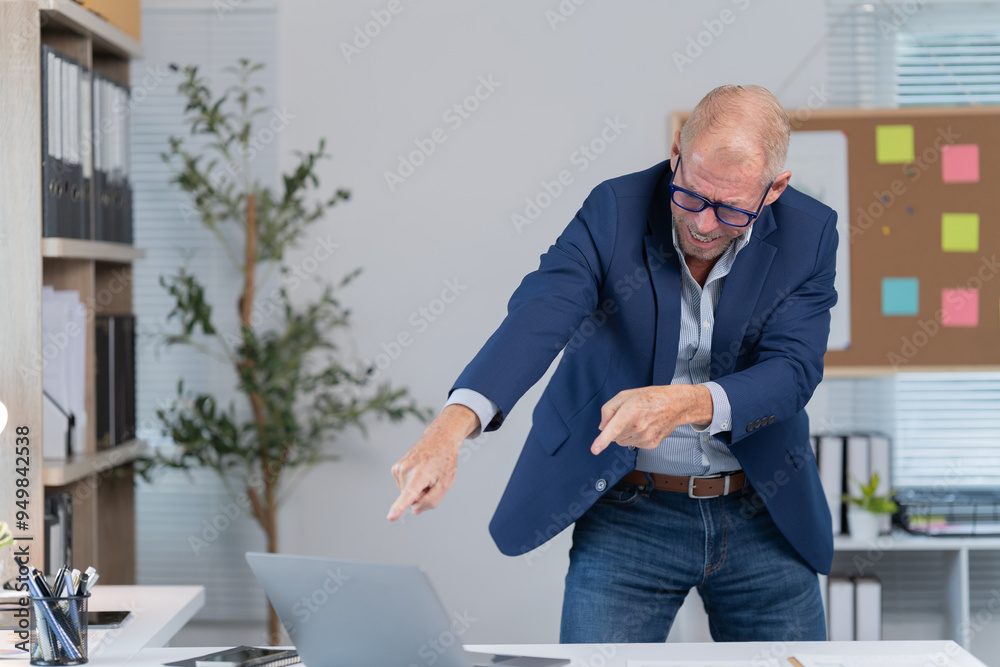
<point>101,483</point>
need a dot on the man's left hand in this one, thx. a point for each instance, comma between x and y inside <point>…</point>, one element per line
<point>644,417</point>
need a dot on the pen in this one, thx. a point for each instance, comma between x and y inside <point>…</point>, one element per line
<point>81,586</point>
<point>59,582</point>
<point>74,610</point>
<point>67,586</point>
<point>91,582</point>
<point>40,584</point>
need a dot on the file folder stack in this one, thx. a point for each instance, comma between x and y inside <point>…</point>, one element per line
<point>64,412</point>
<point>115,348</point>
<point>844,461</point>
<point>854,608</point>
<point>65,160</point>
<point>112,189</point>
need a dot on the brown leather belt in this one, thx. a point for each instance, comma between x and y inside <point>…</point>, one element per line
<point>695,487</point>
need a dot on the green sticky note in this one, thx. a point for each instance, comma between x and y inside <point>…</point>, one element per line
<point>893,144</point>
<point>960,232</point>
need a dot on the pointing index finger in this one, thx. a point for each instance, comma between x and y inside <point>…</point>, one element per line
<point>407,497</point>
<point>607,436</point>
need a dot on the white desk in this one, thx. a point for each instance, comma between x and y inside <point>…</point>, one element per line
<point>158,612</point>
<point>755,654</point>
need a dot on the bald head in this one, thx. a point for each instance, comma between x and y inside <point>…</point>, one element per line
<point>743,126</point>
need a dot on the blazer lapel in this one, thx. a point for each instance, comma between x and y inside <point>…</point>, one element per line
<point>739,296</point>
<point>664,269</point>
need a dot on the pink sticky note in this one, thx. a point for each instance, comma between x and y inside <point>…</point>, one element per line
<point>960,307</point>
<point>960,163</point>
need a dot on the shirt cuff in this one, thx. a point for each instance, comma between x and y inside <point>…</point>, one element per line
<point>722,411</point>
<point>484,408</point>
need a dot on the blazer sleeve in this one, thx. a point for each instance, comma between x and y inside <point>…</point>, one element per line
<point>786,364</point>
<point>547,307</point>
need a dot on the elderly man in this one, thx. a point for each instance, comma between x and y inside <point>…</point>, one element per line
<point>692,301</point>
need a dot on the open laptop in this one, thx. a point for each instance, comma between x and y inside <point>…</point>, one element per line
<point>346,613</point>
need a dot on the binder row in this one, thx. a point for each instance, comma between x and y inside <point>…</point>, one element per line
<point>845,459</point>
<point>65,123</point>
<point>855,608</point>
<point>112,190</point>
<point>115,348</point>
<point>84,152</point>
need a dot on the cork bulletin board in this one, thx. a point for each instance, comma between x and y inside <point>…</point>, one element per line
<point>923,225</point>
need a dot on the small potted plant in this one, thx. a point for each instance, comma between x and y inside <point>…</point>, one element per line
<point>6,539</point>
<point>864,510</point>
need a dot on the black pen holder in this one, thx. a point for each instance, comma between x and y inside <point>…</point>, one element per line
<point>59,630</point>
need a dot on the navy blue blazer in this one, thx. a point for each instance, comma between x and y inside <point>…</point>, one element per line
<point>607,294</point>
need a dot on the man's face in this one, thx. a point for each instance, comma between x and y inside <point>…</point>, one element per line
<point>701,235</point>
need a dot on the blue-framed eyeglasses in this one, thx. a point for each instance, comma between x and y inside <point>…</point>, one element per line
<point>727,215</point>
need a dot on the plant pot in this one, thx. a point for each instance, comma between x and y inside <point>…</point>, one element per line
<point>862,525</point>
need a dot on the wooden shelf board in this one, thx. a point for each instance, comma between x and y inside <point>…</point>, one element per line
<point>106,37</point>
<point>60,473</point>
<point>101,251</point>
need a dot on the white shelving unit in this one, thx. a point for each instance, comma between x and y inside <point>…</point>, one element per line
<point>955,573</point>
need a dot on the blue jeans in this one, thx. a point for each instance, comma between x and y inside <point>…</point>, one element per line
<point>636,554</point>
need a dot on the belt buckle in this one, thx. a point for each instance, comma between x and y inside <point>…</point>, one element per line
<point>725,489</point>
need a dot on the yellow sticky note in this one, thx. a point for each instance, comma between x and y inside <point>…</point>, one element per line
<point>893,144</point>
<point>960,232</point>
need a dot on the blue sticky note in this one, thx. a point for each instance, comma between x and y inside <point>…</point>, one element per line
<point>900,296</point>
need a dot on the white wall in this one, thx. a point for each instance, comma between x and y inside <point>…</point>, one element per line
<point>451,220</point>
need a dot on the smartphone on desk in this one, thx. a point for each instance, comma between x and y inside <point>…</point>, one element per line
<point>106,620</point>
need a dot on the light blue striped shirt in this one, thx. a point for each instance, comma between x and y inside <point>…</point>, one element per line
<point>686,451</point>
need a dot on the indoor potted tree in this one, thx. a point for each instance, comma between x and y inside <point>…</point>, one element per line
<point>299,385</point>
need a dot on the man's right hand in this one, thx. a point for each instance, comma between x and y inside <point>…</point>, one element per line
<point>427,470</point>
